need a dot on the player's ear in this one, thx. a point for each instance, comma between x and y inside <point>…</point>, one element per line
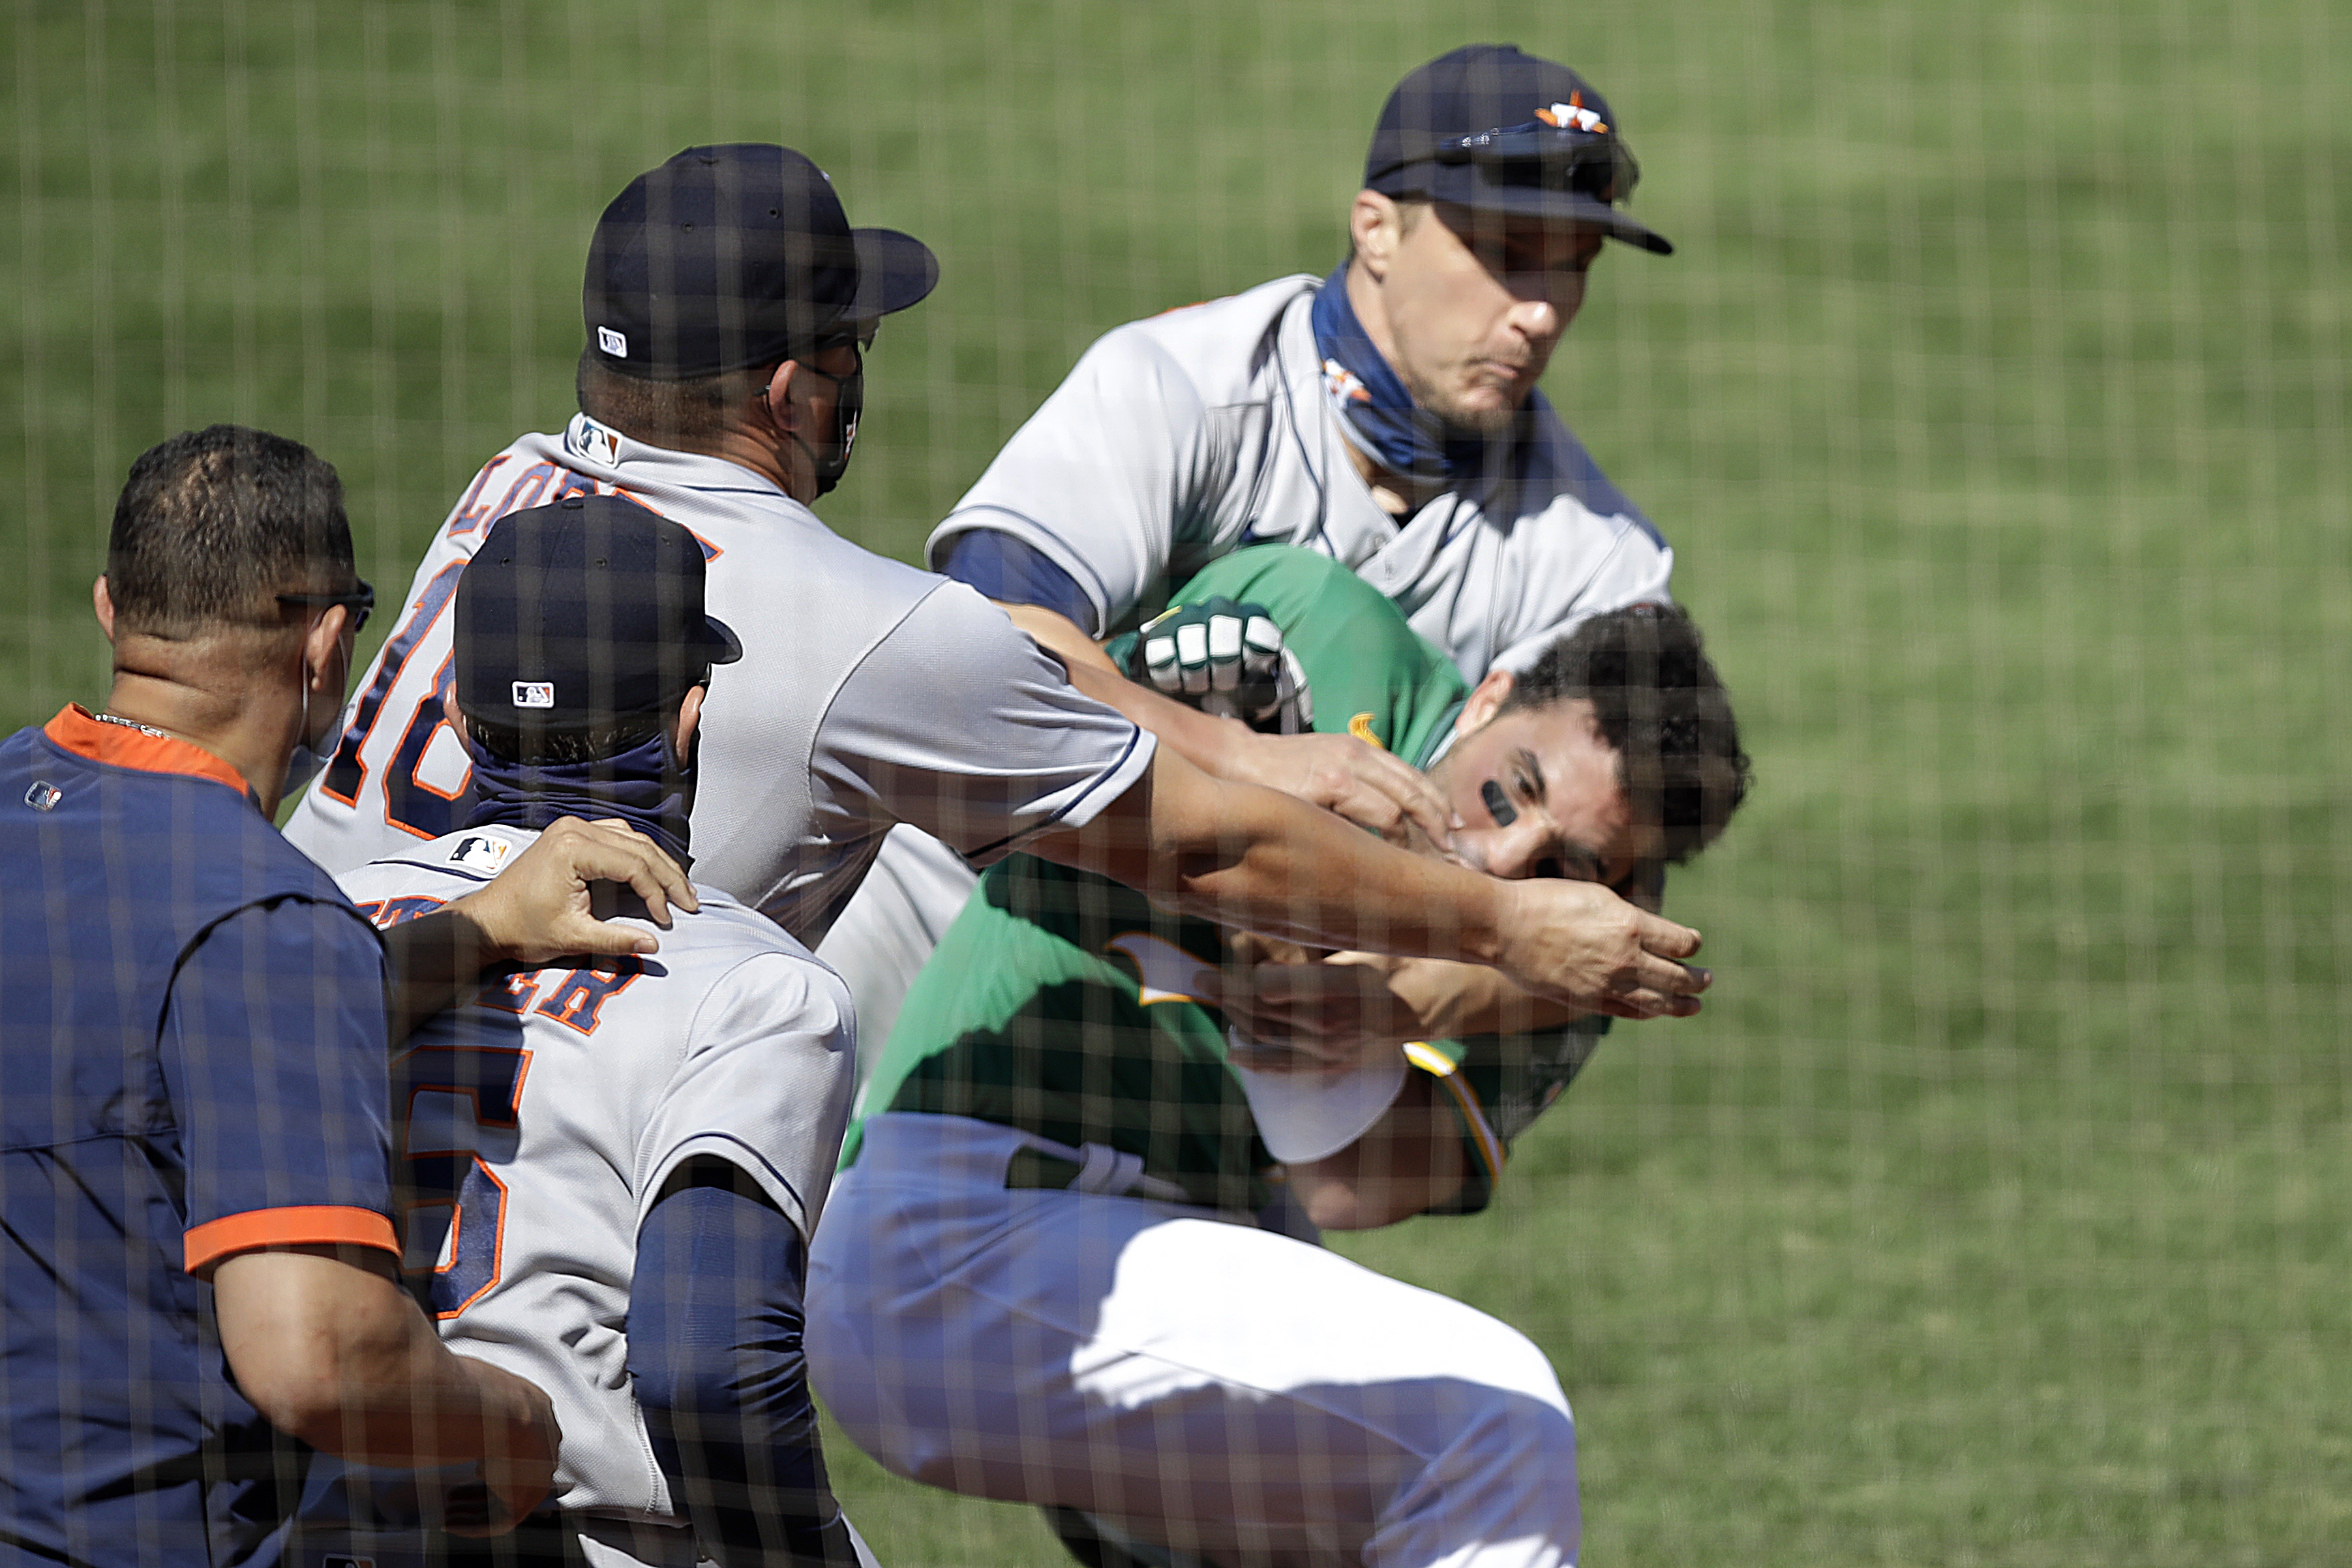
<point>102,603</point>
<point>322,644</point>
<point>1376,225</point>
<point>1486,699</point>
<point>779,397</point>
<point>690,714</point>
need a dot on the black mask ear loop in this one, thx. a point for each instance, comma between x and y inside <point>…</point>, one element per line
<point>1498,805</point>
<point>848,404</point>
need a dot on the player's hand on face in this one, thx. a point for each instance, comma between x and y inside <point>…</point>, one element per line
<point>1580,943</point>
<point>518,1472</point>
<point>1360,782</point>
<point>540,908</point>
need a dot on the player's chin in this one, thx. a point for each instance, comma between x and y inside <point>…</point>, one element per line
<point>1486,406</point>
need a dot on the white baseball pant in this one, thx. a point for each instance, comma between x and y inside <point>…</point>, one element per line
<point>1203,1384</point>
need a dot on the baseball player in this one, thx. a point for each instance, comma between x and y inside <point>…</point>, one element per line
<point>1387,416</point>
<point>612,1167</point>
<point>729,304</point>
<point>1039,1278</point>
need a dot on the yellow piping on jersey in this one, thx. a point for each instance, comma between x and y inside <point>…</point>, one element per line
<point>1491,1152</point>
<point>1360,726</point>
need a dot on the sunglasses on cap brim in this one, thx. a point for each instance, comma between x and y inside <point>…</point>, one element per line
<point>1592,164</point>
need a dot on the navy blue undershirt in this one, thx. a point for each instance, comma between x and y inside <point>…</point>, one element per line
<point>715,1322</point>
<point>1012,572</point>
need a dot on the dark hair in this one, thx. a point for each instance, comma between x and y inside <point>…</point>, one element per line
<point>665,412</point>
<point>1662,706</point>
<point>539,747</point>
<point>213,524</point>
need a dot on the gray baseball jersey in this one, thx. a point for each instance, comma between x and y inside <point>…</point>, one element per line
<point>537,1126</point>
<point>1182,438</point>
<point>870,694</point>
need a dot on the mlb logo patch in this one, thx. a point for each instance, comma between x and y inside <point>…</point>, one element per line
<point>594,442</point>
<point>534,694</point>
<point>480,853</point>
<point>44,795</point>
<point>612,342</point>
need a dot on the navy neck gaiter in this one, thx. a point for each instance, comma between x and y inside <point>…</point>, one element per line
<point>645,787</point>
<point>1379,416</point>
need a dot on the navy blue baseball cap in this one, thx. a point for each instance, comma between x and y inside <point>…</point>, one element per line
<point>583,614</point>
<point>1495,129</point>
<point>736,255</point>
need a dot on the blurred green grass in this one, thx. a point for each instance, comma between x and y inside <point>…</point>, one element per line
<point>1996,404</point>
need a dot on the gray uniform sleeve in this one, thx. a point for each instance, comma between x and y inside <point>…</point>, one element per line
<point>1104,477</point>
<point>1638,569</point>
<point>958,724</point>
<point>765,1085</point>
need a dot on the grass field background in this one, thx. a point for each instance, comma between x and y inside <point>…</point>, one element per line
<point>1996,1210</point>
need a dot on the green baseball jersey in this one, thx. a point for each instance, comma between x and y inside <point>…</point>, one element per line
<point>1063,1004</point>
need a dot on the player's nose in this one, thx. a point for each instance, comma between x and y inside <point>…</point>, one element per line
<point>1511,852</point>
<point>1541,318</point>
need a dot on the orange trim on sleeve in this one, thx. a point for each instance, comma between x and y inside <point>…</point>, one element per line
<point>76,730</point>
<point>312,1224</point>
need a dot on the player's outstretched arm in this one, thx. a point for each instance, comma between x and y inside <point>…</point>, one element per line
<point>333,1350</point>
<point>1255,858</point>
<point>715,1359</point>
<point>1361,782</point>
<point>539,910</point>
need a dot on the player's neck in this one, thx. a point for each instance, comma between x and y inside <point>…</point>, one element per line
<point>748,449</point>
<point>235,713</point>
<point>1395,494</point>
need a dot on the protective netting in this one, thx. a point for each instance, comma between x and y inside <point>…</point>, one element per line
<point>1994,405</point>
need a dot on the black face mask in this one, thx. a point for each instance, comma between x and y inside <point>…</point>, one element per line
<point>831,460</point>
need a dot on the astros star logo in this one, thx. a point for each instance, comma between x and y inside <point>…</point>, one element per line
<point>1343,385</point>
<point>1572,115</point>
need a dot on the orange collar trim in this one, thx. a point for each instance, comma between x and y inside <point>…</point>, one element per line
<point>80,731</point>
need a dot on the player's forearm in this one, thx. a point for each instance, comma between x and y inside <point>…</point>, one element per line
<point>432,964</point>
<point>331,1350</point>
<point>1448,999</point>
<point>1268,863</point>
<point>1255,858</point>
<point>1209,742</point>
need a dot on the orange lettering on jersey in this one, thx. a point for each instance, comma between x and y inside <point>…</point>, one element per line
<point>1360,726</point>
<point>581,995</point>
<point>385,913</point>
<point>511,994</point>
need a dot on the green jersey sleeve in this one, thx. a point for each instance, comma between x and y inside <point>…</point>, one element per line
<point>1372,676</point>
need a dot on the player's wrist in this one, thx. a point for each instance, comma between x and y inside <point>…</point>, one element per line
<point>1495,920</point>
